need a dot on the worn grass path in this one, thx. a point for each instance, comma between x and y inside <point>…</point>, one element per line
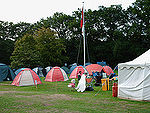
<point>57,98</point>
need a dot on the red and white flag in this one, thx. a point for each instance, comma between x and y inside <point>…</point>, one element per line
<point>82,20</point>
<point>82,16</point>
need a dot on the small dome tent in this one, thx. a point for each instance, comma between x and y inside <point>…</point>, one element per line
<point>108,70</point>
<point>75,72</point>
<point>6,73</point>
<point>26,77</point>
<point>56,74</point>
<point>93,68</point>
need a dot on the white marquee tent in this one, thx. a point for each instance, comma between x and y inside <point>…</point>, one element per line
<point>134,78</point>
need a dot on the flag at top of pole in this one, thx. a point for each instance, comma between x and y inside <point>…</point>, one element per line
<point>82,20</point>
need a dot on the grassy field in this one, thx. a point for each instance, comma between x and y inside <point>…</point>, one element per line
<point>57,97</point>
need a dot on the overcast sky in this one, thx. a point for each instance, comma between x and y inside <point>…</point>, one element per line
<point>33,10</point>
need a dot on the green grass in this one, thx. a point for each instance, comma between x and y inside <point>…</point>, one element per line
<point>56,97</point>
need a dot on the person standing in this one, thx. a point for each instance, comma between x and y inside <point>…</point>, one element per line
<point>79,75</point>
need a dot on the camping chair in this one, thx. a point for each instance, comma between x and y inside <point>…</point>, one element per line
<point>97,77</point>
<point>89,84</point>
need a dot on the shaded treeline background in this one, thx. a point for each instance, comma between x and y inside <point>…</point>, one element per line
<point>113,35</point>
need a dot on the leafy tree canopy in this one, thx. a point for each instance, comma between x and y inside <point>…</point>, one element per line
<point>43,48</point>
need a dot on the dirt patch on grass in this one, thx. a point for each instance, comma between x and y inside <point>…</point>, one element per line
<point>4,92</point>
<point>47,104</point>
<point>63,97</point>
<point>50,97</point>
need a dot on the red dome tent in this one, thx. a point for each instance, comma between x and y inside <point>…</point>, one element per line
<point>26,77</point>
<point>108,70</point>
<point>75,72</point>
<point>93,68</point>
<point>56,74</point>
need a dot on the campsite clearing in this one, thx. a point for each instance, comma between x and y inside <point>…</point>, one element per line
<point>57,97</point>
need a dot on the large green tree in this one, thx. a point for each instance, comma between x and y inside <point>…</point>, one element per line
<point>136,30</point>
<point>139,19</point>
<point>25,53</point>
<point>51,48</point>
<point>68,29</point>
<point>43,48</point>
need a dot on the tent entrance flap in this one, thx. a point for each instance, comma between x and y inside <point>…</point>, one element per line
<point>26,79</point>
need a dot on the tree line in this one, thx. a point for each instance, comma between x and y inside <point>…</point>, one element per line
<point>113,34</point>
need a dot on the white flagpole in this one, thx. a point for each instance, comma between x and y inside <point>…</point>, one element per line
<point>83,33</point>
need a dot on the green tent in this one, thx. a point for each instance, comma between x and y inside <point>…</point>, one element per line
<point>65,69</point>
<point>6,73</point>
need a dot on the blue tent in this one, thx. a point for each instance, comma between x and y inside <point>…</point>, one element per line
<point>88,63</point>
<point>66,69</point>
<point>72,68</point>
<point>18,70</point>
<point>6,74</point>
<point>102,63</point>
